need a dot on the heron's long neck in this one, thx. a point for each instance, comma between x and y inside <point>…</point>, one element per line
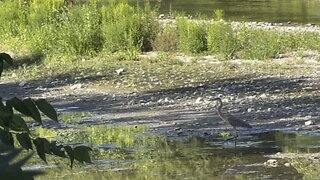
<point>219,108</point>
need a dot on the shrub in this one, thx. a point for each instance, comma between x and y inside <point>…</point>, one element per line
<point>260,44</point>
<point>166,40</point>
<point>191,36</point>
<point>222,39</point>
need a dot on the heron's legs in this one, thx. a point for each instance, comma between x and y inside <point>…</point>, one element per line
<point>234,137</point>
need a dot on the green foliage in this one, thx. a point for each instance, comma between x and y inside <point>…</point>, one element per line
<point>13,127</point>
<point>191,35</point>
<point>218,14</point>
<point>260,44</point>
<point>222,39</point>
<point>166,40</point>
<point>50,28</point>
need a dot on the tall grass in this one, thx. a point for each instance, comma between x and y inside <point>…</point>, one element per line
<point>191,36</point>
<point>51,29</point>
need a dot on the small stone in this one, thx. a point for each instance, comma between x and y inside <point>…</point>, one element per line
<point>76,86</point>
<point>166,99</point>
<point>177,129</point>
<point>263,96</point>
<point>22,83</point>
<point>308,123</point>
<point>161,16</point>
<point>250,110</point>
<point>49,80</point>
<point>198,100</point>
<point>269,109</point>
<point>271,163</point>
<point>120,71</point>
<point>287,164</point>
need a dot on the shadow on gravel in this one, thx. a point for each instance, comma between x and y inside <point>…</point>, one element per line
<point>265,110</point>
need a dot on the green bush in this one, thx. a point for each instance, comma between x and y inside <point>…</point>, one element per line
<point>191,35</point>
<point>260,44</point>
<point>166,40</point>
<point>222,39</point>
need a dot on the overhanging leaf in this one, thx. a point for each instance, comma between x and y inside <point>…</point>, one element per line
<point>35,114</point>
<point>47,109</point>
<point>6,137</point>
<point>19,106</point>
<point>6,57</point>
<point>24,140</point>
<point>40,148</point>
<point>57,150</point>
<point>70,153</point>
<point>18,124</point>
<point>81,153</point>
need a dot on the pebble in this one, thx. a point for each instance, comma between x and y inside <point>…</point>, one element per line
<point>22,83</point>
<point>271,163</point>
<point>308,123</point>
<point>250,110</point>
<point>198,100</point>
<point>120,71</point>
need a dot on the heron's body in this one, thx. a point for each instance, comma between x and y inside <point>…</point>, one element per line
<point>233,121</point>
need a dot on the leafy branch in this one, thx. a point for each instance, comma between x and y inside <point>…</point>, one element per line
<point>13,125</point>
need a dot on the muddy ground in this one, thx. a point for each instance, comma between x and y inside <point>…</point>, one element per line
<point>287,99</point>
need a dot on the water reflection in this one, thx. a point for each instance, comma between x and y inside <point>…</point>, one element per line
<point>300,11</point>
<point>152,157</point>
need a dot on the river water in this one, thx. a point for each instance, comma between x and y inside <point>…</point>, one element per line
<point>298,11</point>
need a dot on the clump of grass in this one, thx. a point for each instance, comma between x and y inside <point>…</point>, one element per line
<point>191,35</point>
<point>260,44</point>
<point>166,40</point>
<point>222,39</point>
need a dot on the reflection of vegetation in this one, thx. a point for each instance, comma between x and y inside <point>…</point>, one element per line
<point>295,143</point>
<point>151,157</point>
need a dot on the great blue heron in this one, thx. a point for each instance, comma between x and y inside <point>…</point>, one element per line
<point>233,121</point>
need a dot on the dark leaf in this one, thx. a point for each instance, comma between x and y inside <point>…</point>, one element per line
<point>81,153</point>
<point>18,124</point>
<point>47,109</point>
<point>6,57</point>
<point>1,67</point>
<point>56,150</point>
<point>70,153</point>
<point>6,137</point>
<point>19,106</point>
<point>6,114</point>
<point>40,147</point>
<point>24,140</point>
<point>35,114</point>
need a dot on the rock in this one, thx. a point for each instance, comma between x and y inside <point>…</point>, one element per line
<point>161,16</point>
<point>308,123</point>
<point>271,163</point>
<point>177,129</point>
<point>250,110</point>
<point>76,86</point>
<point>287,164</point>
<point>120,71</point>
<point>198,100</point>
<point>22,83</point>
<point>263,96</point>
<point>49,80</point>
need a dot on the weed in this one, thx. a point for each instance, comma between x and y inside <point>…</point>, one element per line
<point>191,35</point>
<point>222,39</point>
